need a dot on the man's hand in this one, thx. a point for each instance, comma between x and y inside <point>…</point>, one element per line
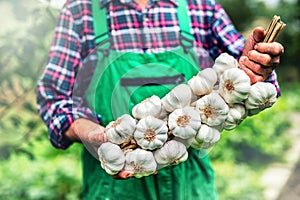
<point>91,134</point>
<point>123,175</point>
<point>260,59</point>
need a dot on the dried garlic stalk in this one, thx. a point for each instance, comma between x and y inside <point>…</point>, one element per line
<point>274,29</point>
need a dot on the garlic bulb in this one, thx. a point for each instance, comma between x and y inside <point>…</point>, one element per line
<point>213,109</point>
<point>203,82</point>
<point>234,85</point>
<point>186,142</point>
<point>163,114</point>
<point>262,95</point>
<point>237,113</point>
<point>121,130</point>
<point>223,62</point>
<point>205,138</point>
<point>140,162</point>
<point>185,122</point>
<point>111,157</point>
<point>150,106</point>
<point>178,97</point>
<point>171,153</point>
<point>219,127</point>
<point>151,133</point>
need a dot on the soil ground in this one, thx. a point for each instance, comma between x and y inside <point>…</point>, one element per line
<point>291,190</point>
<point>282,180</point>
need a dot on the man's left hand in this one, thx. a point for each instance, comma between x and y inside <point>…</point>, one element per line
<point>259,59</point>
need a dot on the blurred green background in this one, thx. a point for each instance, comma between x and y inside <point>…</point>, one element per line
<point>30,168</point>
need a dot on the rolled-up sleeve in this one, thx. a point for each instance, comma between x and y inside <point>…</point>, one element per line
<point>56,103</point>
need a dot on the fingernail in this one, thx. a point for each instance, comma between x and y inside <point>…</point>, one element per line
<point>255,47</point>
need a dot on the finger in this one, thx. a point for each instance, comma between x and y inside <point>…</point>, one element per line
<point>264,59</point>
<point>273,49</point>
<point>258,34</point>
<point>254,77</point>
<point>256,68</point>
<point>123,175</point>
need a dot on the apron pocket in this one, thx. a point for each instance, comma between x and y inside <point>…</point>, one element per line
<point>152,81</point>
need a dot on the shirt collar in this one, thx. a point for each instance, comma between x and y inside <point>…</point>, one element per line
<point>104,3</point>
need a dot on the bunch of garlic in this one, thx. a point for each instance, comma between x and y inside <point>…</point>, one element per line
<point>160,130</point>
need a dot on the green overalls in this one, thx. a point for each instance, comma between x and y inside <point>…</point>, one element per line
<point>123,79</point>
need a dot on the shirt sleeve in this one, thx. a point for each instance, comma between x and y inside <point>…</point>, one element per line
<point>227,39</point>
<point>56,103</point>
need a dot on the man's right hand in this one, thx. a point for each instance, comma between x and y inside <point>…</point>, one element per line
<point>92,135</point>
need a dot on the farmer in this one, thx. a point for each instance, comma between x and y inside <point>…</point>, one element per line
<point>107,39</point>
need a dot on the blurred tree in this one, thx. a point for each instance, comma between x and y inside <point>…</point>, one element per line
<point>290,38</point>
<point>240,12</point>
<point>23,52</point>
<point>30,167</point>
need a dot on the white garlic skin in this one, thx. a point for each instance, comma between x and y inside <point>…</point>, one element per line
<point>203,82</point>
<point>163,114</point>
<point>150,106</point>
<point>111,157</point>
<point>151,133</point>
<point>121,130</point>
<point>237,113</point>
<point>186,142</point>
<point>223,62</point>
<point>179,97</point>
<point>205,138</point>
<point>140,162</point>
<point>171,153</point>
<point>185,122</point>
<point>234,85</point>
<point>262,95</point>
<point>213,109</point>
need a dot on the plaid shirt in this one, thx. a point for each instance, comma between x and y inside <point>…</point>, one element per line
<point>154,29</point>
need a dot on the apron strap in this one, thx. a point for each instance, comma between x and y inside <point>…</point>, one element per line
<point>101,30</point>
<point>186,38</point>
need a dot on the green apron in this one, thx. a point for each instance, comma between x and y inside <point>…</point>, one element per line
<point>122,80</point>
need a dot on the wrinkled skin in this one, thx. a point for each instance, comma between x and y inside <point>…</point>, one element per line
<point>260,59</point>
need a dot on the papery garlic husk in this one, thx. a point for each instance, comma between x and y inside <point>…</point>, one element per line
<point>163,114</point>
<point>179,97</point>
<point>205,138</point>
<point>171,153</point>
<point>150,106</point>
<point>140,162</point>
<point>262,95</point>
<point>111,157</point>
<point>184,122</point>
<point>121,130</point>
<point>223,62</point>
<point>203,82</point>
<point>234,85</point>
<point>213,109</point>
<point>186,142</point>
<point>151,133</point>
<point>237,113</point>
<point>219,127</point>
